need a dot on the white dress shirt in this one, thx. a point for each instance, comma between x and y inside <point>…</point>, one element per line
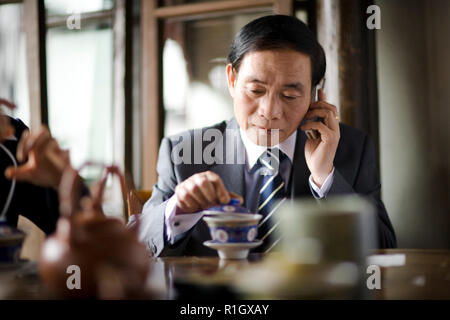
<point>178,224</point>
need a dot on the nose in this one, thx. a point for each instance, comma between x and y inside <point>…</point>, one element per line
<point>270,107</point>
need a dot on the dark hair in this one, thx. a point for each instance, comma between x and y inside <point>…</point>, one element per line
<point>278,32</point>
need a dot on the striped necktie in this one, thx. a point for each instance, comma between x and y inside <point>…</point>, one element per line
<point>271,194</point>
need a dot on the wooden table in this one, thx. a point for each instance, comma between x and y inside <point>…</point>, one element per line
<point>425,274</point>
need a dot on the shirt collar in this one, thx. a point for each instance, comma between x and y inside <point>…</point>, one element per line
<point>254,151</point>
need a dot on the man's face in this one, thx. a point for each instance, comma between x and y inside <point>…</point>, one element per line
<point>271,91</point>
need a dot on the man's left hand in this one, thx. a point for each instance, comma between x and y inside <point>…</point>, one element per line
<point>320,152</point>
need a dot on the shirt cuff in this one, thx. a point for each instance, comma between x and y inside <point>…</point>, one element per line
<point>177,224</point>
<point>322,192</point>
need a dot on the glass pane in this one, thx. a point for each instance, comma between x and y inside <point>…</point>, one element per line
<point>195,92</point>
<point>302,15</point>
<point>13,67</point>
<point>80,84</point>
<point>64,7</point>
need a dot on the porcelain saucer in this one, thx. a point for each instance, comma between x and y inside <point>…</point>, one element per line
<point>232,250</point>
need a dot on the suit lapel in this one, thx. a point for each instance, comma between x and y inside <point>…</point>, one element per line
<point>232,174</point>
<point>300,173</point>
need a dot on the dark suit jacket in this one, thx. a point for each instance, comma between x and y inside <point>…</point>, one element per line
<point>38,204</point>
<point>355,172</point>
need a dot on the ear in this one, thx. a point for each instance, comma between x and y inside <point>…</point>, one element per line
<point>231,79</point>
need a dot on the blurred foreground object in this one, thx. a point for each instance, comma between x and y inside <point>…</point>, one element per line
<point>31,166</point>
<point>42,161</point>
<point>11,239</point>
<point>335,230</point>
<point>323,251</point>
<point>112,263</point>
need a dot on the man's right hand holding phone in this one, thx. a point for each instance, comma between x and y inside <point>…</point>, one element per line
<point>320,152</point>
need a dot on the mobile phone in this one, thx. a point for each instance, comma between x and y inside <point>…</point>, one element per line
<point>315,134</point>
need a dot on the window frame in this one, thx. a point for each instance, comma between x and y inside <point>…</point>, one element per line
<point>36,24</point>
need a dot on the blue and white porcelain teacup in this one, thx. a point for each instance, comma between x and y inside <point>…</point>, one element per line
<point>233,227</point>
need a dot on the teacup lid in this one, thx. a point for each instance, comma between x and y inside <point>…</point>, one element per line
<point>231,207</point>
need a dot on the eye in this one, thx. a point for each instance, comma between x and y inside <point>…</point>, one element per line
<point>290,97</point>
<point>256,91</point>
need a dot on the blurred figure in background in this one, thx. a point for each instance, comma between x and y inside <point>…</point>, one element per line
<point>31,166</point>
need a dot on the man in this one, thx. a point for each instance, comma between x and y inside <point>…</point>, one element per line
<point>31,166</point>
<point>274,65</point>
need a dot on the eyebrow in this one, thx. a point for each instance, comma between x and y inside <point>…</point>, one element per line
<point>254,80</point>
<point>294,85</point>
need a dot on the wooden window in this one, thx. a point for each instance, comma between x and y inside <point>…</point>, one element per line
<point>77,77</point>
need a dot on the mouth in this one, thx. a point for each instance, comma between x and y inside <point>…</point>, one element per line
<point>268,131</point>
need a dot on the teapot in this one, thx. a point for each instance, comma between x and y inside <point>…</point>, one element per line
<point>91,255</point>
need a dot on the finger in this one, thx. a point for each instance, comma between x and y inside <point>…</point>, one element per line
<point>86,204</point>
<point>221,192</point>
<point>65,156</point>
<point>328,117</point>
<point>196,194</point>
<point>55,154</point>
<point>321,95</point>
<point>20,146</point>
<point>325,132</point>
<point>46,147</point>
<point>7,103</point>
<point>207,188</point>
<point>184,200</point>
<point>324,105</point>
<point>21,173</point>
<point>236,196</point>
<point>37,142</point>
